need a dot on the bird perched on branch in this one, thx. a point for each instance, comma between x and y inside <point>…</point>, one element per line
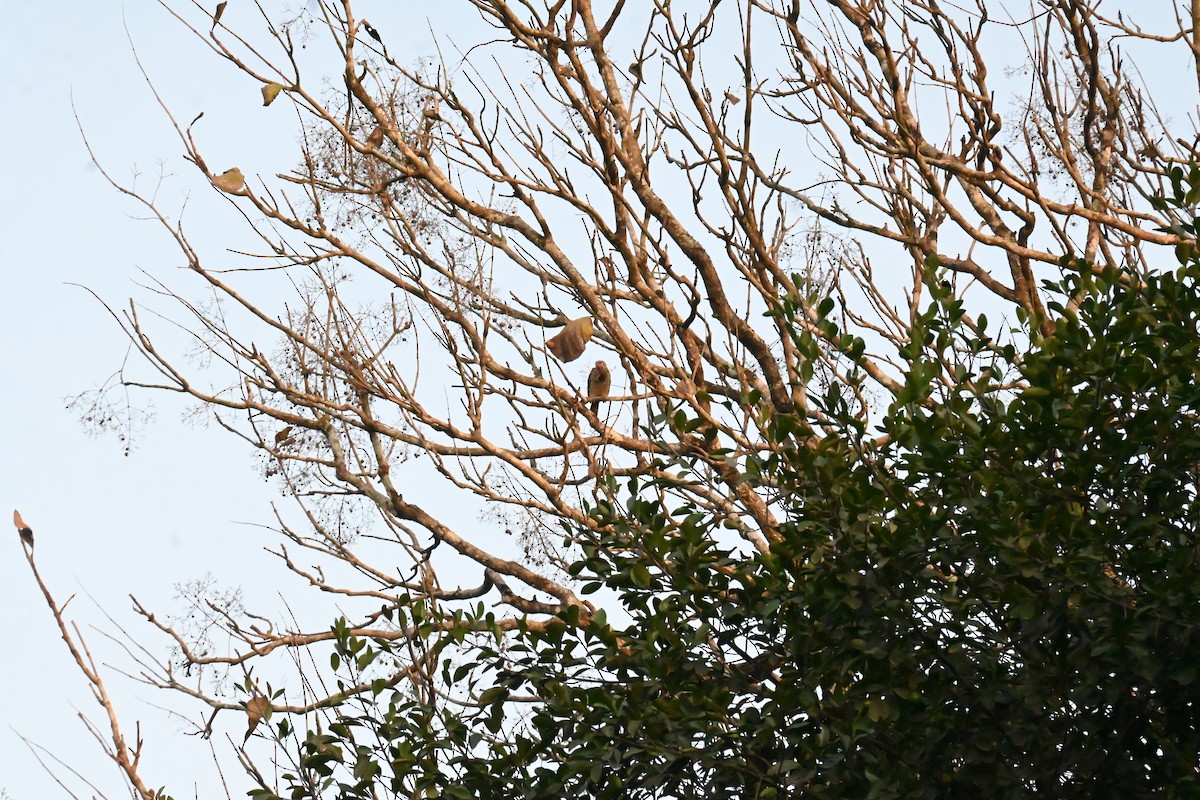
<point>598,385</point>
<point>568,345</point>
<point>23,530</point>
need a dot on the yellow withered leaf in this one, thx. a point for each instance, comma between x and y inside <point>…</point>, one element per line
<point>270,91</point>
<point>231,181</point>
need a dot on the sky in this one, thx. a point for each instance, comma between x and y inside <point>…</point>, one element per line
<point>184,502</point>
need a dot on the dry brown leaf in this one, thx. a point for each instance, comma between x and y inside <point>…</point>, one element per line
<point>569,344</point>
<point>231,181</point>
<point>256,708</point>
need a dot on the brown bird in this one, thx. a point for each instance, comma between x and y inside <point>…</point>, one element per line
<point>23,530</point>
<point>598,385</point>
<point>284,436</point>
<point>568,345</point>
<point>376,137</point>
<point>256,708</point>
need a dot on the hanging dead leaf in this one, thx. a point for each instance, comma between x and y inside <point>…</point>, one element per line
<point>231,181</point>
<point>256,708</point>
<point>270,91</point>
<point>569,344</point>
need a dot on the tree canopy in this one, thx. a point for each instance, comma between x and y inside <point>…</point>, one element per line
<point>822,376</point>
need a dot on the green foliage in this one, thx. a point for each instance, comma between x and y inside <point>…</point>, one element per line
<point>991,595</point>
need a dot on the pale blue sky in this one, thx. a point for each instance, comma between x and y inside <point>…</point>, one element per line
<point>109,525</point>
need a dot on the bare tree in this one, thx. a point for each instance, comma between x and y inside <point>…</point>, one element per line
<point>674,174</point>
